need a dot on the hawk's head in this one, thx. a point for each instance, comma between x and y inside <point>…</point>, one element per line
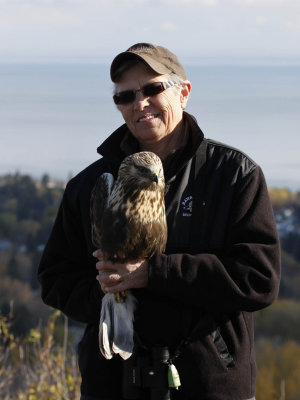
<point>143,169</point>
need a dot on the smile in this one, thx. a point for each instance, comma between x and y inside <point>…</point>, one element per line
<point>147,117</point>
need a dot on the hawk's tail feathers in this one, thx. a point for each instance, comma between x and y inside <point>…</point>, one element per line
<point>123,326</point>
<point>116,326</point>
<point>106,326</point>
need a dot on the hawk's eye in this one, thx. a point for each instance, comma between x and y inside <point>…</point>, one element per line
<point>141,169</point>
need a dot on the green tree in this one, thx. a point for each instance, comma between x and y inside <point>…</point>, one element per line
<point>290,280</point>
<point>8,222</point>
<point>281,321</point>
<point>28,308</point>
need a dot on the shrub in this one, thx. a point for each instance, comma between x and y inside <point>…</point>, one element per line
<point>37,367</point>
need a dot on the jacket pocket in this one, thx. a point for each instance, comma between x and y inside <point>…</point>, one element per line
<point>222,348</point>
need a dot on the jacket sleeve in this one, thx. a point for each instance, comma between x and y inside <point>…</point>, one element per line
<point>67,270</point>
<point>245,277</point>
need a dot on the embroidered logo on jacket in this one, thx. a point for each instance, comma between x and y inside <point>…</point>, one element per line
<point>187,206</point>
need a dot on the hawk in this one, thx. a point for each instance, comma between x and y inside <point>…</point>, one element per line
<point>128,224</point>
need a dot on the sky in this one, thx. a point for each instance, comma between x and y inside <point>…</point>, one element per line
<point>199,32</point>
<point>217,31</point>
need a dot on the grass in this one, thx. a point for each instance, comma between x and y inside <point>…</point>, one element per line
<point>37,367</point>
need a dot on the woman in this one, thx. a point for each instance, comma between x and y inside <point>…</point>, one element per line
<point>222,257</point>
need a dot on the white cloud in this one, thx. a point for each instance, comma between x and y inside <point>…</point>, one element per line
<point>109,3</point>
<point>88,27</point>
<point>37,17</point>
<point>260,20</point>
<point>292,24</point>
<point>204,3</point>
<point>168,26</point>
<point>264,3</point>
<point>69,4</point>
<point>47,1</point>
<point>208,3</point>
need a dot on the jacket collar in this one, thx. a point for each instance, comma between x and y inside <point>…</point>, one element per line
<point>121,143</point>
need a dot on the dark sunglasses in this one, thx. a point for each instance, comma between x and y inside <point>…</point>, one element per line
<point>128,96</point>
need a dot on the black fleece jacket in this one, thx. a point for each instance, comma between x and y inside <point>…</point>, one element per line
<point>222,262</point>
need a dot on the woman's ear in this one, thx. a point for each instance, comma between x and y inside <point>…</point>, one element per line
<point>185,92</point>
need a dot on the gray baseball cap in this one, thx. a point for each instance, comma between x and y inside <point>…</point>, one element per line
<point>158,58</point>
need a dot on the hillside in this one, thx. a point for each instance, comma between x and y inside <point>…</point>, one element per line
<point>27,212</point>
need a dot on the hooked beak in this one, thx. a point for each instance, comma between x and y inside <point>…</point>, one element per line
<point>154,178</point>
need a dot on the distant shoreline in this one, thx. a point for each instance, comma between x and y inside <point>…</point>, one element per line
<point>58,179</point>
<point>187,61</point>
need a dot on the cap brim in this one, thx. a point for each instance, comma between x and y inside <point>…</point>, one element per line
<point>122,57</point>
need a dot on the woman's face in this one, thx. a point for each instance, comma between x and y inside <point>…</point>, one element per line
<point>150,119</point>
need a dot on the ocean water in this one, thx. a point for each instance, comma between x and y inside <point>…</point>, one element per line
<point>53,116</point>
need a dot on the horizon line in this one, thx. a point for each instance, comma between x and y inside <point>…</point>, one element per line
<point>186,60</point>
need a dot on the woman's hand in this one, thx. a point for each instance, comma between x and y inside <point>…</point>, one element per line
<point>118,277</point>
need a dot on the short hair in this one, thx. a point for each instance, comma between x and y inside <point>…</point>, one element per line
<point>177,79</point>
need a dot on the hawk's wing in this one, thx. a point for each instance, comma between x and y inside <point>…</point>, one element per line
<point>99,200</point>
